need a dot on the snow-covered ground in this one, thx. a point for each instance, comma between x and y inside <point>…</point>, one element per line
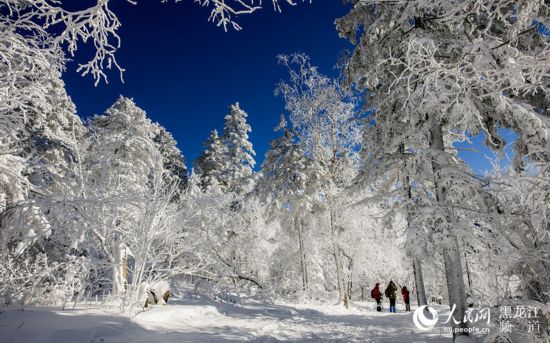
<point>204,320</point>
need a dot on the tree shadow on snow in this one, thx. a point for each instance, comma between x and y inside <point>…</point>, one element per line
<point>316,326</point>
<point>41,325</point>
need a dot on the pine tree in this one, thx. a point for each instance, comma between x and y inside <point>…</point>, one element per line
<point>289,183</point>
<point>172,158</point>
<point>210,163</point>
<point>123,167</point>
<point>53,155</point>
<point>286,169</point>
<point>239,162</point>
<point>39,135</point>
<point>125,153</point>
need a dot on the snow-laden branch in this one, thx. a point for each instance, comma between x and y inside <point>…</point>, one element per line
<point>99,25</point>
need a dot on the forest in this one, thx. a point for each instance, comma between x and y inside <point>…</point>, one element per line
<point>363,184</point>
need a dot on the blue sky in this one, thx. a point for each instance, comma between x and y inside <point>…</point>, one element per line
<point>185,72</point>
<point>479,156</point>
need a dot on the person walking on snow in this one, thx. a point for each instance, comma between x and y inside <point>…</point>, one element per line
<point>406,298</point>
<point>377,295</point>
<point>391,293</point>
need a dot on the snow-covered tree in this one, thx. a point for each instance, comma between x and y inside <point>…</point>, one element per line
<point>446,70</point>
<point>124,147</point>
<point>239,162</point>
<point>156,231</point>
<point>290,189</point>
<point>25,59</point>
<point>211,161</point>
<point>98,23</point>
<point>37,118</point>
<point>285,168</point>
<point>40,136</point>
<point>173,160</point>
<point>39,128</point>
<point>123,164</point>
<point>225,243</point>
<point>325,119</point>
<point>522,240</point>
<point>458,60</point>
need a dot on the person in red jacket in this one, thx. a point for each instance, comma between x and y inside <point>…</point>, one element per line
<point>377,295</point>
<point>406,298</point>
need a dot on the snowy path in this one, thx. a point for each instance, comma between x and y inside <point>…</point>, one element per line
<point>207,321</point>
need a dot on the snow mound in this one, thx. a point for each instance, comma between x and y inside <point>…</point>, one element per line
<point>160,287</point>
<point>177,313</point>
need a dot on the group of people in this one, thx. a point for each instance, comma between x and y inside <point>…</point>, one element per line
<point>391,294</point>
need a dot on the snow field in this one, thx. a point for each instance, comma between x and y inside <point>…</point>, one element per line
<point>203,320</point>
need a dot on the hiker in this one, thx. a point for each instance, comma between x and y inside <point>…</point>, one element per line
<point>406,298</point>
<point>391,293</point>
<point>377,295</point>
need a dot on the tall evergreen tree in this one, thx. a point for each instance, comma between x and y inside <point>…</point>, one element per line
<point>239,162</point>
<point>39,137</point>
<point>172,158</point>
<point>289,183</point>
<point>286,169</point>
<point>210,163</point>
<point>123,167</point>
<point>123,146</point>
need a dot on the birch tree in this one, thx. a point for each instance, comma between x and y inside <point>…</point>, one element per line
<point>325,119</point>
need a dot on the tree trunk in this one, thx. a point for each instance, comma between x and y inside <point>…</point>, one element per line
<point>349,275</point>
<point>125,269</point>
<point>417,266</point>
<point>342,291</point>
<point>119,266</point>
<point>468,275</point>
<point>419,282</point>
<point>455,286</point>
<point>350,282</point>
<point>451,252</point>
<point>303,264</point>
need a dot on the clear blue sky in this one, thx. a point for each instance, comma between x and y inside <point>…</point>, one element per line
<point>185,72</point>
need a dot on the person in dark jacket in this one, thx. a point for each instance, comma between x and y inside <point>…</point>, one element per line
<point>391,293</point>
<point>377,295</point>
<point>406,298</point>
